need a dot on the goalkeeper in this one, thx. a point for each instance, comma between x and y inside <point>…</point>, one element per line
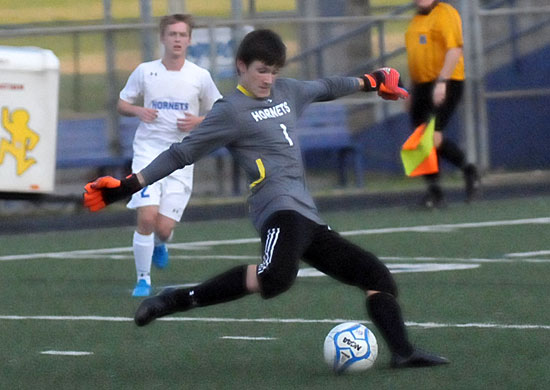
<point>257,123</point>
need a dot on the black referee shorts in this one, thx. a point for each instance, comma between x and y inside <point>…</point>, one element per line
<point>287,237</point>
<point>422,106</point>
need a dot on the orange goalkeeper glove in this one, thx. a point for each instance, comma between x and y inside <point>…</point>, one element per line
<point>107,189</point>
<point>387,82</point>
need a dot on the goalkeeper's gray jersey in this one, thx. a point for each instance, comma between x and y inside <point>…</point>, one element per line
<point>261,135</point>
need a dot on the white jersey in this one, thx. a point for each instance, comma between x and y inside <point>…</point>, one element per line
<point>171,93</point>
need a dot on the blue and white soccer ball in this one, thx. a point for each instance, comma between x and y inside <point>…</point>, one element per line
<point>350,347</point>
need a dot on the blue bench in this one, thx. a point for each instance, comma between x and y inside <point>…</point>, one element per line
<point>84,143</point>
<point>323,130</point>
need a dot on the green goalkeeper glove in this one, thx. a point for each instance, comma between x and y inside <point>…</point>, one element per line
<point>106,190</point>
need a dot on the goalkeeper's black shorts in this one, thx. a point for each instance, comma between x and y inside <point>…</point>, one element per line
<point>287,237</point>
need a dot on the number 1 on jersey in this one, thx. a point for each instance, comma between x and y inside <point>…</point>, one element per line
<point>286,135</point>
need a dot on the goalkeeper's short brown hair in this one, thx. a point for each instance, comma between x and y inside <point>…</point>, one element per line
<point>262,45</point>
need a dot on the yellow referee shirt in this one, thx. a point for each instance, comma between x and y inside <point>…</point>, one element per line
<point>428,38</point>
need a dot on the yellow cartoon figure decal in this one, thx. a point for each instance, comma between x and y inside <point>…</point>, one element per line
<point>23,138</point>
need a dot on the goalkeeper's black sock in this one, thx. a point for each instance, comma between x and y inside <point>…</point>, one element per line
<point>225,287</point>
<point>385,313</point>
<point>452,153</point>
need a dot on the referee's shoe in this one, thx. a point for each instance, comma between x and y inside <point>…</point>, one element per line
<point>472,182</point>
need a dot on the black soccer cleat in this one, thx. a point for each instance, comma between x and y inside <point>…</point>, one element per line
<point>471,180</point>
<point>417,359</point>
<point>155,307</point>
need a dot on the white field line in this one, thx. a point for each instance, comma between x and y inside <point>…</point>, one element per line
<point>463,260</point>
<point>172,257</point>
<point>386,259</point>
<point>394,269</point>
<point>400,268</point>
<point>248,338</point>
<point>92,253</point>
<point>450,227</point>
<point>67,353</point>
<point>529,254</point>
<point>425,325</point>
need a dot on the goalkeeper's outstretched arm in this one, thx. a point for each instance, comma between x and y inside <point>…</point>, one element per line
<point>106,190</point>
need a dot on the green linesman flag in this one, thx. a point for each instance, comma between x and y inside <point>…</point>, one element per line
<point>418,152</point>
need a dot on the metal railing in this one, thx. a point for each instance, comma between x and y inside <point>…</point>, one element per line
<point>475,14</point>
<point>477,95</point>
<point>376,23</point>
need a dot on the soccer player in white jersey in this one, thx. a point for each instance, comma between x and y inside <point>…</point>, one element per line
<point>176,95</point>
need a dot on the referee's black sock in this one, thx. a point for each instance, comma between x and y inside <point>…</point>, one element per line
<point>432,179</point>
<point>435,193</point>
<point>225,287</point>
<point>385,313</point>
<point>452,153</point>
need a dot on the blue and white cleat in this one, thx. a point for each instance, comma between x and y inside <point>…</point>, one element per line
<point>160,256</point>
<point>142,289</point>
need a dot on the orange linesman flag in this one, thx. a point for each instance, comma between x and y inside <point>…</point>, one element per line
<point>418,152</point>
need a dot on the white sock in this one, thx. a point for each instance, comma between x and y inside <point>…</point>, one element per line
<point>143,252</point>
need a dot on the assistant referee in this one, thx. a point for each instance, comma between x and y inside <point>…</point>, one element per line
<point>434,44</point>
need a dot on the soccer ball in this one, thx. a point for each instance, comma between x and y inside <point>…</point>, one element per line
<point>350,347</point>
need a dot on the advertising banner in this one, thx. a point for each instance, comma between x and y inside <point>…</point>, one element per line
<point>29,88</point>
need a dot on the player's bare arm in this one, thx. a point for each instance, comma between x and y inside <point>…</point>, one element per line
<point>146,115</point>
<point>440,89</point>
<point>189,122</point>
